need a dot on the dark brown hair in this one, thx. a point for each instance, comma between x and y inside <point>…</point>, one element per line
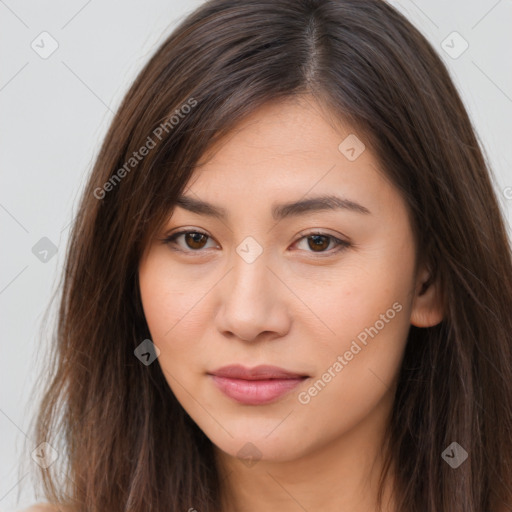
<point>125,442</point>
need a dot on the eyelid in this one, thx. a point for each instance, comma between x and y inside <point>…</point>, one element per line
<point>340,243</point>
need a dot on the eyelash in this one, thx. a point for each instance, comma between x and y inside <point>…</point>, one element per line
<point>341,244</point>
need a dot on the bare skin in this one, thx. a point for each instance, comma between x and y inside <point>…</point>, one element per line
<point>297,306</point>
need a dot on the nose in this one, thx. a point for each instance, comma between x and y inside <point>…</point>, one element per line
<point>253,302</point>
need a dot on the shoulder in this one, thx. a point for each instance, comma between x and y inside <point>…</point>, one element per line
<point>41,507</point>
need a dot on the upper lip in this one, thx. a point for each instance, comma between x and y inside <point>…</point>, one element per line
<point>237,371</point>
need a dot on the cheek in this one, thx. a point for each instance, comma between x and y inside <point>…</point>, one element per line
<point>167,299</point>
<point>362,292</point>
<point>162,317</point>
<point>367,310</point>
<point>176,318</point>
<point>357,366</point>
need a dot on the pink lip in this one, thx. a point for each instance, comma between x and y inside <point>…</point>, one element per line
<point>255,386</point>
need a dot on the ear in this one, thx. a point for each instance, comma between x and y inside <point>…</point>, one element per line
<point>427,307</point>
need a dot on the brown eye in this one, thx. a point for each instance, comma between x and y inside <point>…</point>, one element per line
<point>195,240</point>
<point>318,242</point>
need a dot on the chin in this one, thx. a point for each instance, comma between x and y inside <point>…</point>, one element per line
<point>254,440</point>
<point>250,452</point>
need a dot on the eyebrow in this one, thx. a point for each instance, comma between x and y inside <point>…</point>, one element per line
<point>279,211</point>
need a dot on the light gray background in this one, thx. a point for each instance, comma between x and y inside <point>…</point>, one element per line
<point>55,112</point>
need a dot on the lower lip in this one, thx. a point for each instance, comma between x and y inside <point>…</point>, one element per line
<point>255,392</point>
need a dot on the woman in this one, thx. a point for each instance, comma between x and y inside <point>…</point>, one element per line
<point>289,283</point>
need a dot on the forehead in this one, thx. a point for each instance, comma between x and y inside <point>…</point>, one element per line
<point>284,151</point>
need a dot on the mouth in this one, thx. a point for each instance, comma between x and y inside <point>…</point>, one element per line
<point>255,386</point>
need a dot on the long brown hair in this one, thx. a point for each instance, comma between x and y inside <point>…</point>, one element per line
<point>125,442</point>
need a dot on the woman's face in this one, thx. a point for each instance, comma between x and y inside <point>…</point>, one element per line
<point>268,284</point>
